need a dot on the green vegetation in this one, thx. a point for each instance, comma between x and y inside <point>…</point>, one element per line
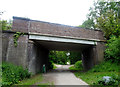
<point>54,66</point>
<point>60,57</point>
<point>95,75</point>
<point>16,36</point>
<point>106,66</point>
<point>105,16</point>
<point>74,57</point>
<point>73,68</point>
<point>93,78</point>
<point>34,80</point>
<point>113,49</point>
<point>31,81</point>
<point>77,66</point>
<point>6,25</point>
<point>12,74</point>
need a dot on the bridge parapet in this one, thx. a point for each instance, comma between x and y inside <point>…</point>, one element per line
<point>52,29</point>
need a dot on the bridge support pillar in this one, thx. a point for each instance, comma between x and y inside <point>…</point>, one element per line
<point>93,55</point>
<point>37,57</point>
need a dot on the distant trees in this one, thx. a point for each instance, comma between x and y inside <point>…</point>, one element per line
<point>74,57</point>
<point>60,57</point>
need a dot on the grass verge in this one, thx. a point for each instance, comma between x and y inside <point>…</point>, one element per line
<point>73,68</point>
<point>93,76</point>
<point>54,66</point>
<point>32,80</point>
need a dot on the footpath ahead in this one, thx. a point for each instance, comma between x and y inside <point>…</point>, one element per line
<point>63,76</point>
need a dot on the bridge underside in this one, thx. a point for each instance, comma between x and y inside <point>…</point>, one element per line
<point>61,43</point>
<point>62,46</point>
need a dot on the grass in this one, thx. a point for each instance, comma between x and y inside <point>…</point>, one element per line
<point>97,72</point>
<point>54,66</point>
<point>32,80</point>
<point>77,66</point>
<point>73,68</point>
<point>92,78</point>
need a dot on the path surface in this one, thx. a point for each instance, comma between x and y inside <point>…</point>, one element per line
<point>62,76</point>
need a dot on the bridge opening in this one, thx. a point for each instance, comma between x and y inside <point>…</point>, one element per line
<point>41,53</point>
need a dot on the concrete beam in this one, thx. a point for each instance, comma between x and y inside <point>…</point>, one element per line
<point>59,39</point>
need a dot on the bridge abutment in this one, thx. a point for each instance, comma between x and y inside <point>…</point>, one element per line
<point>37,56</point>
<point>93,55</point>
<point>27,53</point>
<point>17,55</point>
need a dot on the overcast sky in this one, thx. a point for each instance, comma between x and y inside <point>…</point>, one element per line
<point>68,12</point>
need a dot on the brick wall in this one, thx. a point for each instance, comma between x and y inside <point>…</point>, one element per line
<point>39,27</point>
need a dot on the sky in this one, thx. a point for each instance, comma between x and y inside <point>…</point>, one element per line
<point>67,12</point>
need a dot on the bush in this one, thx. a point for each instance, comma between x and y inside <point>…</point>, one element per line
<point>12,74</point>
<point>105,66</point>
<point>112,51</point>
<point>79,65</point>
<point>74,57</point>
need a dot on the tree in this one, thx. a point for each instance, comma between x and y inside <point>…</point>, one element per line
<point>6,25</point>
<point>74,57</point>
<point>58,57</point>
<point>113,49</point>
<point>87,24</point>
<point>104,16</point>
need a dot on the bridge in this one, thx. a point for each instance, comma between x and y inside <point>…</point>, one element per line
<point>41,37</point>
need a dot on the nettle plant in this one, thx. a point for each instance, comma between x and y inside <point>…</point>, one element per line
<point>16,36</point>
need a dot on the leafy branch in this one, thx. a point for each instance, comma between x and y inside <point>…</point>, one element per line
<point>16,36</point>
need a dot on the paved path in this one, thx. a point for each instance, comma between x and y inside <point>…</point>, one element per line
<point>62,76</point>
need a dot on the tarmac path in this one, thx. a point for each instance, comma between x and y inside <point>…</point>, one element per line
<point>63,76</point>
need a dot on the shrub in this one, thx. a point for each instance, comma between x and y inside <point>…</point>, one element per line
<point>113,49</point>
<point>12,74</point>
<point>79,65</point>
<point>105,66</point>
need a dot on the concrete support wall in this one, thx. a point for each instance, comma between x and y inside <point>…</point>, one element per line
<point>37,56</point>
<point>87,58</point>
<point>18,55</point>
<point>28,54</point>
<point>93,55</point>
<point>5,42</point>
<point>100,48</point>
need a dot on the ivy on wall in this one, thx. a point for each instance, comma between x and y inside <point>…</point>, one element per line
<point>16,36</point>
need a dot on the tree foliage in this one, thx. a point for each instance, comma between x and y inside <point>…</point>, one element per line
<point>87,24</point>
<point>113,49</point>
<point>74,57</point>
<point>60,57</point>
<point>104,16</point>
<point>6,25</point>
